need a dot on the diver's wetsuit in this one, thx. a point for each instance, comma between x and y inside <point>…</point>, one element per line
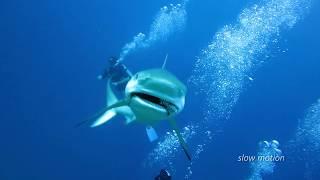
<point>119,75</point>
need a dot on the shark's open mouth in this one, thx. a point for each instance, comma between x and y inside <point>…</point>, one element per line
<point>168,106</point>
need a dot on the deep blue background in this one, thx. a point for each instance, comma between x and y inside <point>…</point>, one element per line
<point>52,51</point>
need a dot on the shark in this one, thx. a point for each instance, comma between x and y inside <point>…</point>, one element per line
<point>151,96</point>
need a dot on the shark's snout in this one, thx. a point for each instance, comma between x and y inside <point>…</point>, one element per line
<point>157,90</point>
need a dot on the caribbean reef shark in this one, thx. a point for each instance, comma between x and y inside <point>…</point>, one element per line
<point>151,96</point>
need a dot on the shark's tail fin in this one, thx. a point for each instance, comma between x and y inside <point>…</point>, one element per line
<point>180,138</point>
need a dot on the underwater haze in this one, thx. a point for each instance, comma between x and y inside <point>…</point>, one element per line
<point>251,68</point>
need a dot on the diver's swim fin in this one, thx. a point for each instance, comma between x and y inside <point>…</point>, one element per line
<point>180,138</point>
<point>152,134</point>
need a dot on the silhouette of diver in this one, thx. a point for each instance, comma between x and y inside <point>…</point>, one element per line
<point>117,73</point>
<point>164,175</point>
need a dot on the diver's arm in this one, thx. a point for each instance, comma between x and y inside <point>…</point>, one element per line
<point>126,70</point>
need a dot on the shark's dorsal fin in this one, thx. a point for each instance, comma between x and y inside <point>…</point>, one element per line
<point>165,62</point>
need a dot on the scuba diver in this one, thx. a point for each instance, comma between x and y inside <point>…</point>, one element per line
<point>117,73</point>
<point>164,175</point>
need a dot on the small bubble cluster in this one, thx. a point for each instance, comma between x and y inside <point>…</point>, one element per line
<point>169,20</point>
<point>167,148</point>
<point>259,167</point>
<point>137,43</point>
<point>305,145</point>
<point>308,132</point>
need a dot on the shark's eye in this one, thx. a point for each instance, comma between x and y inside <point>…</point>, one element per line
<point>136,76</point>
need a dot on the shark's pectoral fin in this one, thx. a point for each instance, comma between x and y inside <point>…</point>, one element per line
<point>105,114</point>
<point>108,115</point>
<point>129,119</point>
<point>127,113</point>
<point>118,107</point>
<point>180,138</point>
<point>152,134</point>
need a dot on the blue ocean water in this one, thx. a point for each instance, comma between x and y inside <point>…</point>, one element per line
<point>246,83</point>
